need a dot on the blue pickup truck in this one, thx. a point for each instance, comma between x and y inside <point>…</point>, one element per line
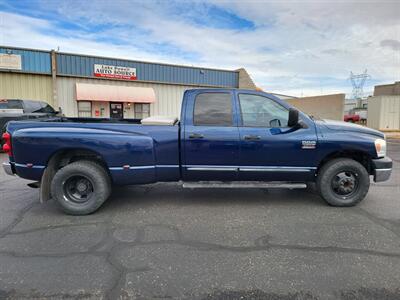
<point>225,138</point>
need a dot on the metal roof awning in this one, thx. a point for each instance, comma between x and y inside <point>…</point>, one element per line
<point>114,93</point>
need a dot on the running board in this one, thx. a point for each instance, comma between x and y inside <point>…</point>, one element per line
<point>244,184</point>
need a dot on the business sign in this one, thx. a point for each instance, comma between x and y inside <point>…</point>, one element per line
<point>117,72</point>
<point>10,61</point>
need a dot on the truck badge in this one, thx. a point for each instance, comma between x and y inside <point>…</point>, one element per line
<point>308,144</point>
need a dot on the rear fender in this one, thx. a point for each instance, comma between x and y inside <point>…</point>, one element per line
<point>118,149</point>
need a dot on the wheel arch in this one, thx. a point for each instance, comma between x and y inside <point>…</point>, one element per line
<point>360,156</point>
<point>62,158</point>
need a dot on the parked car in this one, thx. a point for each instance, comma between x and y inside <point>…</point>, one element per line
<point>17,109</point>
<point>225,138</point>
<point>356,116</point>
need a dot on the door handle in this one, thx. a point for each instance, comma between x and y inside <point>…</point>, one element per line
<point>252,137</point>
<point>196,136</point>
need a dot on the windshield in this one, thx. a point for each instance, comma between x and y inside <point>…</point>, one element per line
<point>46,108</point>
<point>38,107</point>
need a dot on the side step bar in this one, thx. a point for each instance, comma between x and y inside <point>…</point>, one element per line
<point>244,184</point>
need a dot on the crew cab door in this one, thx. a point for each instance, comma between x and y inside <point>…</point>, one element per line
<point>269,149</point>
<point>210,137</point>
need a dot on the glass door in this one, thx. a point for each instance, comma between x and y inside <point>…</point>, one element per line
<point>116,110</point>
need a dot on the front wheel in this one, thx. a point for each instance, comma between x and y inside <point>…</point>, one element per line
<point>81,187</point>
<point>343,182</point>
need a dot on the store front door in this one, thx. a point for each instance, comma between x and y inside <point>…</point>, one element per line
<point>116,110</point>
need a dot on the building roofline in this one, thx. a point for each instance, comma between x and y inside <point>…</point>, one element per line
<point>282,95</point>
<point>335,94</point>
<point>24,48</point>
<point>387,84</point>
<point>121,59</point>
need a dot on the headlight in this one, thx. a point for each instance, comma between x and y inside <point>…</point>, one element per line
<point>380,147</point>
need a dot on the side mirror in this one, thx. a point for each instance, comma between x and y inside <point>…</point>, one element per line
<point>275,123</point>
<point>293,117</point>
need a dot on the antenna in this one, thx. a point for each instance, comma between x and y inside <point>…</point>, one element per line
<point>358,82</point>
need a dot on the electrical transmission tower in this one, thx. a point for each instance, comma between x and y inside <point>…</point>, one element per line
<point>358,82</point>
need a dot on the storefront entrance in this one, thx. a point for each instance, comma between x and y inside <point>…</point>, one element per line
<point>116,110</point>
<point>116,102</point>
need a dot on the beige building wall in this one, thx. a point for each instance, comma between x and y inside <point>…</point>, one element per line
<point>26,86</point>
<point>168,97</point>
<point>324,106</point>
<point>387,89</point>
<point>384,112</point>
<point>245,81</point>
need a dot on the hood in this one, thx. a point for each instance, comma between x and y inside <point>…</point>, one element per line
<point>346,126</point>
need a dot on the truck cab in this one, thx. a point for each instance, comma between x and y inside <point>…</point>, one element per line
<point>245,135</point>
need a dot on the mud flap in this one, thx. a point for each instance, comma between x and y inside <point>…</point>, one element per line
<point>45,184</point>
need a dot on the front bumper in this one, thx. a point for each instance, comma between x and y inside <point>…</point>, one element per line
<point>382,168</point>
<point>8,168</point>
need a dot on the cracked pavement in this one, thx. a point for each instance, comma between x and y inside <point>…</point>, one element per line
<point>162,241</point>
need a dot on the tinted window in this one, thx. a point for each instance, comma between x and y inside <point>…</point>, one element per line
<point>32,106</point>
<point>259,111</point>
<point>213,109</point>
<point>10,104</point>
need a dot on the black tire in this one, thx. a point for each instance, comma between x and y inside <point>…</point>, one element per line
<point>343,182</point>
<point>81,187</point>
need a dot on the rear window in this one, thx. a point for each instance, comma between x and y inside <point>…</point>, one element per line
<point>213,109</point>
<point>10,104</point>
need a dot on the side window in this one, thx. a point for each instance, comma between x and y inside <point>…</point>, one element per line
<point>32,106</point>
<point>213,109</point>
<point>259,111</point>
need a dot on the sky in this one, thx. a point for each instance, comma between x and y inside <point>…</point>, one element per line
<point>298,48</point>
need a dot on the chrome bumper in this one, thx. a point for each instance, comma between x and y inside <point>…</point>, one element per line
<point>382,174</point>
<point>8,168</point>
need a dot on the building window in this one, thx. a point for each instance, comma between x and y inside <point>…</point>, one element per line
<point>142,110</point>
<point>84,109</point>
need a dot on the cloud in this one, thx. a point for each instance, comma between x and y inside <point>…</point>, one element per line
<point>287,47</point>
<point>392,44</point>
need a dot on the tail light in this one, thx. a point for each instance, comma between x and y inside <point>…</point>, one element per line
<point>7,143</point>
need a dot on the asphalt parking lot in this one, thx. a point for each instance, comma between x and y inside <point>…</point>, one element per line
<point>162,241</point>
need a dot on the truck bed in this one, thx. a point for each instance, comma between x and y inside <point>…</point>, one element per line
<point>134,153</point>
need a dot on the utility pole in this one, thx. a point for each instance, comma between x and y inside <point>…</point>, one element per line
<point>56,103</point>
